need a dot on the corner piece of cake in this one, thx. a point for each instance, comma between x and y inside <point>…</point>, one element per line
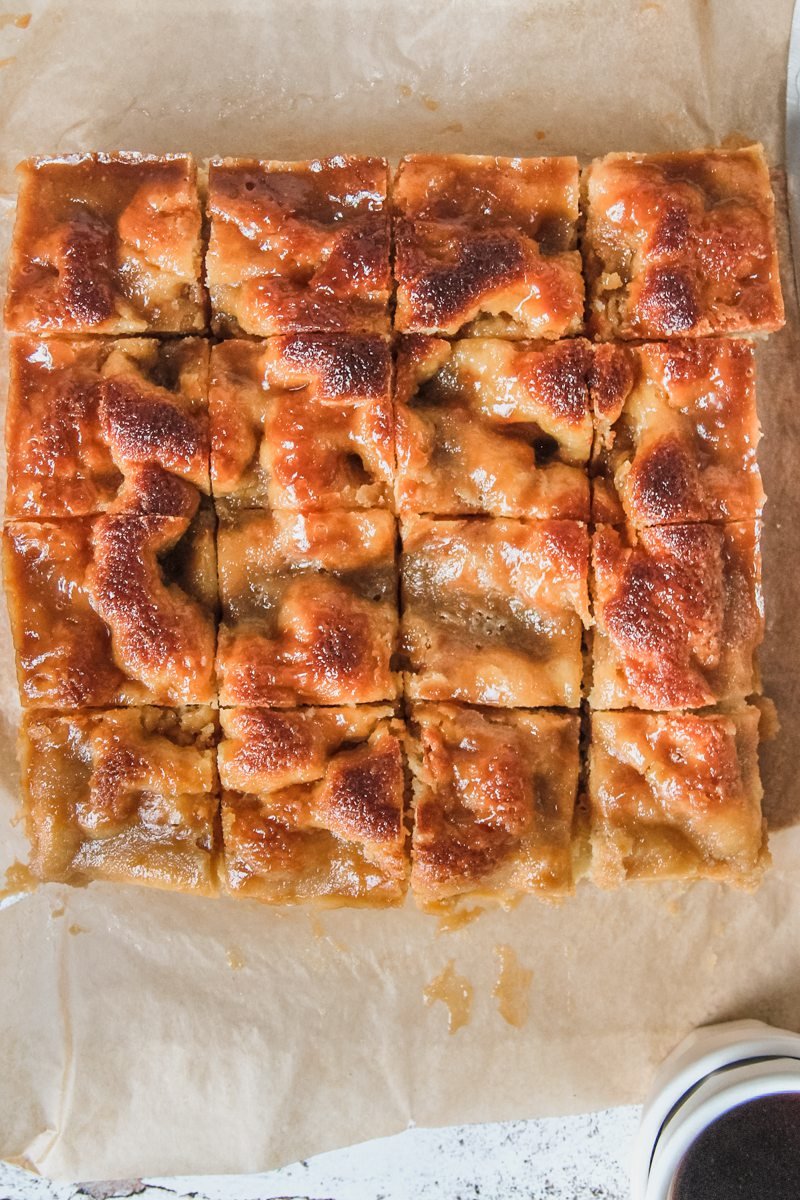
<point>107,243</point>
<point>487,245</point>
<point>299,246</point>
<point>128,795</point>
<point>313,805</point>
<point>676,796</point>
<point>494,800</point>
<point>681,244</point>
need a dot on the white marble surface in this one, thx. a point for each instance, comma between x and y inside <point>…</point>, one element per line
<point>569,1158</point>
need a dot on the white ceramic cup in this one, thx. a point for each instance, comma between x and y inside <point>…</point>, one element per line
<point>714,1069</point>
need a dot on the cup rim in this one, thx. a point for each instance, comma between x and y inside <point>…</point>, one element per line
<point>717,1095</point>
<point>685,1068</point>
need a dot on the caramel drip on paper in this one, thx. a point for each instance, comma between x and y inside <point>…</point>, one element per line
<point>451,920</point>
<point>19,878</point>
<point>236,960</point>
<point>455,992</point>
<point>512,990</point>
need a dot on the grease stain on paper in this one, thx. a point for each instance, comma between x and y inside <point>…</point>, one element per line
<point>455,992</point>
<point>512,989</point>
<point>18,20</point>
<point>6,62</point>
<point>58,911</point>
<point>236,960</point>
<point>75,929</point>
<point>320,932</point>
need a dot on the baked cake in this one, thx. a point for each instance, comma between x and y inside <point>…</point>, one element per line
<point>681,244</point>
<point>675,796</point>
<point>107,425</point>
<point>677,442</point>
<point>302,422</point>
<point>299,246</point>
<point>678,616</point>
<point>107,243</point>
<point>128,795</point>
<point>494,797</point>
<point>113,610</point>
<point>309,608</point>
<point>312,806</point>
<point>490,426</point>
<point>487,245</point>
<point>493,610</point>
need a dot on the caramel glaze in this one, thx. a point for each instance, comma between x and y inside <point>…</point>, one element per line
<point>682,244</point>
<point>103,425</point>
<point>299,247</point>
<point>494,799</point>
<point>486,245</point>
<point>302,422</point>
<point>678,442</point>
<point>107,243</point>
<point>313,805</point>
<point>678,616</point>
<point>113,610</point>
<point>676,795</point>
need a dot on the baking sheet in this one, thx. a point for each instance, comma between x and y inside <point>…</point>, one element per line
<point>149,1034</point>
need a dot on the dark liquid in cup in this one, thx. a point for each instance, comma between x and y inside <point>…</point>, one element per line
<point>749,1153</point>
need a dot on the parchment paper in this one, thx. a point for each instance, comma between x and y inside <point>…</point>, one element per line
<point>144,1033</point>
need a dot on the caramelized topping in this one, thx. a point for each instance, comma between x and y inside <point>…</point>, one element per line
<point>321,816</point>
<point>493,610</point>
<point>128,795</point>
<point>681,244</point>
<point>106,244</point>
<point>487,245</point>
<point>680,445</point>
<point>675,796</point>
<point>494,797</point>
<point>309,609</point>
<point>302,422</point>
<point>101,425</point>
<point>678,616</point>
<point>299,247</point>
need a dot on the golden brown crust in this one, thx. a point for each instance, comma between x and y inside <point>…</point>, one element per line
<point>678,616</point>
<point>299,247</point>
<point>494,797</point>
<point>681,444</point>
<point>309,608</point>
<point>98,425</point>
<point>488,426</point>
<point>493,610</point>
<point>676,796</point>
<point>313,805</point>
<point>487,245</point>
<point>128,795</point>
<point>302,422</point>
<point>682,244</point>
<point>107,243</point>
<point>112,610</point>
